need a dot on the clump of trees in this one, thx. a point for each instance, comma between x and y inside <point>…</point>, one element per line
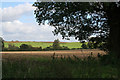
<point>25,47</point>
<point>56,46</point>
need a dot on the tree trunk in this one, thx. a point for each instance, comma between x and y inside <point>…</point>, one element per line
<point>114,36</point>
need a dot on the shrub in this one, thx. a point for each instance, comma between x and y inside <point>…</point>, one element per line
<point>65,48</point>
<point>40,48</point>
<point>26,47</point>
<point>90,45</point>
<point>84,46</point>
<point>48,48</point>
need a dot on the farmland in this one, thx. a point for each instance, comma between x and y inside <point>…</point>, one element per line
<point>44,44</point>
<point>68,64</point>
<point>65,53</point>
<point>80,63</point>
<point>82,53</point>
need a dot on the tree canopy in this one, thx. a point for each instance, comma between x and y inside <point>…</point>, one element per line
<point>74,18</point>
<point>81,20</point>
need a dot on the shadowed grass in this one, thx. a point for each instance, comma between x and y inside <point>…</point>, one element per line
<point>49,67</point>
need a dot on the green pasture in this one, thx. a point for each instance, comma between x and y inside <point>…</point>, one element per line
<point>72,44</point>
<point>46,44</point>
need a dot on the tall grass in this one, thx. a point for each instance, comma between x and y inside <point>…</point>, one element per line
<point>54,67</point>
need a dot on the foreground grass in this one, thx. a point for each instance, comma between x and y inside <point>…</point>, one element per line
<point>51,67</point>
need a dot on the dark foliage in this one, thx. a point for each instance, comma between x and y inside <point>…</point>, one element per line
<point>81,20</point>
<point>90,45</point>
<point>1,43</point>
<point>84,46</point>
<point>25,47</point>
<point>71,20</point>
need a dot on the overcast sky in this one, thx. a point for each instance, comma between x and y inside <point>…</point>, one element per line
<point>18,23</point>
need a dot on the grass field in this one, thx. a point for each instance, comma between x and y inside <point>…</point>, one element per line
<point>46,44</point>
<point>37,65</point>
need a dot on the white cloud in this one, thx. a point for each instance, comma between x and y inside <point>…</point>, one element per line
<point>14,13</point>
<point>17,30</point>
<point>24,28</point>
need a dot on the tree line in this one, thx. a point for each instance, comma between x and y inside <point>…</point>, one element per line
<point>56,46</point>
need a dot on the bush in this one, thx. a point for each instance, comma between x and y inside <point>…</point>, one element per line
<point>46,49</point>
<point>26,47</point>
<point>84,46</point>
<point>40,48</point>
<point>65,48</point>
<point>90,45</point>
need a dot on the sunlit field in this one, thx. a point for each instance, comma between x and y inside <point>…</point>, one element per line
<point>46,44</point>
